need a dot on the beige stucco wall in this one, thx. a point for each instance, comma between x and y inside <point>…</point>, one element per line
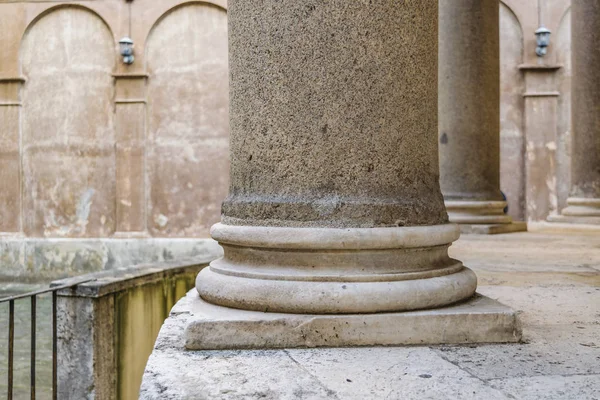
<point>102,162</point>
<point>91,147</point>
<point>535,109</point>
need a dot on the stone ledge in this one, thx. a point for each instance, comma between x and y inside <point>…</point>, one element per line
<point>478,320</point>
<point>493,229</point>
<point>46,259</point>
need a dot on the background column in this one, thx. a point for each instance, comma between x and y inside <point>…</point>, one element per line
<point>334,203</point>
<point>469,115</point>
<point>584,200</point>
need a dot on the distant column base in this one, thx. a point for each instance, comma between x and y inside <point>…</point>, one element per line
<point>568,219</point>
<point>335,271</point>
<point>493,229</point>
<point>482,217</point>
<point>580,211</point>
<point>476,320</point>
<point>557,224</point>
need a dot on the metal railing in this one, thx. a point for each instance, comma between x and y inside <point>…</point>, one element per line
<point>11,336</point>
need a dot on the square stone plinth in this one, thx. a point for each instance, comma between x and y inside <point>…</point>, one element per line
<point>492,229</point>
<point>478,320</point>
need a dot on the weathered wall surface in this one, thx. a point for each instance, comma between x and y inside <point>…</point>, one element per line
<point>535,108</point>
<point>67,126</point>
<point>93,149</point>
<point>188,129</point>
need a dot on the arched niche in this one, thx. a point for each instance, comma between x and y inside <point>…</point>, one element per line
<point>67,56</point>
<point>512,86</point>
<point>562,43</point>
<point>188,129</point>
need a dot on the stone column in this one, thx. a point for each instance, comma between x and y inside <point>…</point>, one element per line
<point>469,116</point>
<point>584,200</point>
<point>334,204</point>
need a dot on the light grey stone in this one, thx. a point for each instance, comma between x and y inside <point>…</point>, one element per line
<point>557,387</point>
<point>478,320</point>
<point>552,279</point>
<point>392,373</point>
<point>388,372</point>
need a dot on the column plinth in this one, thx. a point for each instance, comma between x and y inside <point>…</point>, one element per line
<point>469,116</point>
<point>334,205</point>
<point>583,204</point>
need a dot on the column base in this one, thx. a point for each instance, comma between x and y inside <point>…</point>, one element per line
<point>580,211</point>
<point>482,217</point>
<point>577,220</point>
<point>476,320</point>
<point>335,271</point>
<point>493,229</point>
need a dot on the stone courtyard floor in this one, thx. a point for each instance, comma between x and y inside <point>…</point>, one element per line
<point>552,278</point>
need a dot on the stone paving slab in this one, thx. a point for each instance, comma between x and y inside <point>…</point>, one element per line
<point>559,358</point>
<point>554,387</point>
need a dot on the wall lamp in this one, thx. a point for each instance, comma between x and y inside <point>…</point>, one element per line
<point>126,47</point>
<point>542,36</point>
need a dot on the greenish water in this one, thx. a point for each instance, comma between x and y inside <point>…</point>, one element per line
<point>22,344</point>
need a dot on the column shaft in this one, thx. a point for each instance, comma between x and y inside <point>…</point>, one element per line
<point>584,199</point>
<point>334,203</point>
<point>469,111</point>
<point>332,109</point>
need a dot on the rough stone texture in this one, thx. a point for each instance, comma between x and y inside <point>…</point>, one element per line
<point>334,204</point>
<point>333,114</point>
<point>47,259</point>
<point>86,342</point>
<point>553,278</point>
<point>469,100</point>
<point>585,169</point>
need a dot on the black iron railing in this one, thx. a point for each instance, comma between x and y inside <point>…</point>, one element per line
<point>11,336</point>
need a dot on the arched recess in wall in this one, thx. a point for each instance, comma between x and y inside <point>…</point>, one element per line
<point>563,80</point>
<point>188,129</point>
<point>512,86</point>
<point>67,56</point>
